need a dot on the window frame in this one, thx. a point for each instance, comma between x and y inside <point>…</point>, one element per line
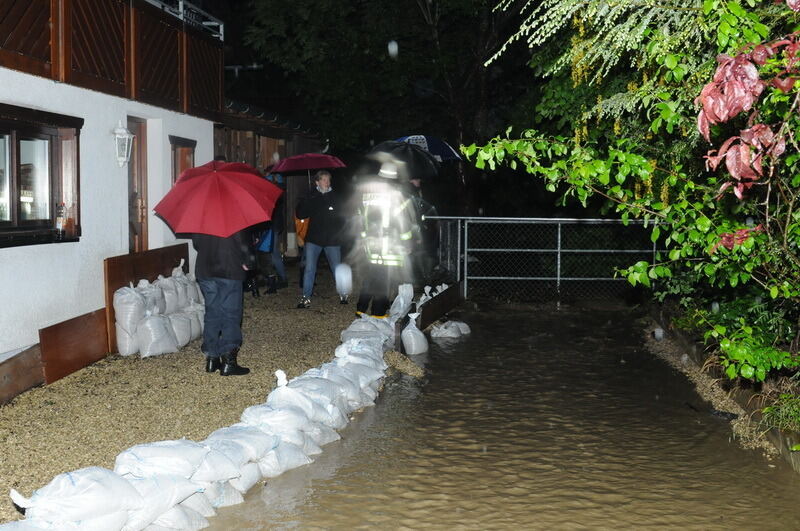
<point>20,123</point>
<point>176,144</point>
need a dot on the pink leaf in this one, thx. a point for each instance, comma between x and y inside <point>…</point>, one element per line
<point>702,125</point>
<point>783,84</point>
<point>761,53</point>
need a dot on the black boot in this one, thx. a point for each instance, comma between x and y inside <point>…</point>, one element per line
<point>213,364</point>
<point>272,284</point>
<point>229,365</point>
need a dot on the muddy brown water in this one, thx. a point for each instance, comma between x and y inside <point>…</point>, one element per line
<point>543,418</point>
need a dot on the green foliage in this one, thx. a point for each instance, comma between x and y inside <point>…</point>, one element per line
<point>335,58</point>
<point>783,414</point>
<point>627,134</point>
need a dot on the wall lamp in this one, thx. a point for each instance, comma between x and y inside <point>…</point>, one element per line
<point>124,142</point>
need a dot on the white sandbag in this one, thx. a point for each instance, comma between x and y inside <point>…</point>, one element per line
<point>365,374</point>
<point>368,327</point>
<point>182,518</point>
<point>181,326</point>
<point>249,475</point>
<point>450,329</point>
<point>181,458</point>
<point>381,325</point>
<point>320,433</point>
<point>283,396</point>
<point>369,348</point>
<point>350,351</point>
<point>255,442</point>
<point>182,284</point>
<point>462,326</point>
<point>200,299</point>
<point>129,308</point>
<point>195,320</point>
<point>347,335</point>
<point>192,289</point>
<point>155,336</point>
<point>414,341</point>
<point>355,398</point>
<point>160,494</point>
<point>285,457</point>
<point>126,344</point>
<point>221,494</point>
<point>215,467</point>
<point>274,419</point>
<point>232,450</point>
<point>403,301</point>
<point>79,495</point>
<point>286,423</point>
<point>108,522</point>
<point>199,502</point>
<point>322,391</point>
<point>198,313</point>
<point>24,525</point>
<point>170,288</point>
<point>344,280</point>
<point>153,296</point>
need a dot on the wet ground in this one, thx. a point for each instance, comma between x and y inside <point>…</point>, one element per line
<point>541,419</point>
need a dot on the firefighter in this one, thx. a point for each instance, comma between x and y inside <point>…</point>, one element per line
<point>389,233</point>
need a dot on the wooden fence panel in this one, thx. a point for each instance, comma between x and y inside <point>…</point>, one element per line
<point>73,344</point>
<point>96,37</point>
<point>204,82</point>
<point>25,33</point>
<point>158,57</point>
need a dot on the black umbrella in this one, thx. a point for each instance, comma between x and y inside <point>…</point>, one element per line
<point>418,163</point>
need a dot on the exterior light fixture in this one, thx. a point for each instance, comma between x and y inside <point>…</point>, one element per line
<point>124,142</point>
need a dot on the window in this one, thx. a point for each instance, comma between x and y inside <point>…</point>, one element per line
<point>38,177</point>
<point>182,155</point>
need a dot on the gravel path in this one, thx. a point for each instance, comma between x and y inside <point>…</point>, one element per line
<point>89,417</point>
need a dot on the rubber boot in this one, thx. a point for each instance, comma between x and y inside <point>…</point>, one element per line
<point>213,364</point>
<point>229,365</point>
<point>272,284</point>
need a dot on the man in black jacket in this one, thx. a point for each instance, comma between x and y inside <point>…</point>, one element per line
<point>326,223</point>
<point>222,265</point>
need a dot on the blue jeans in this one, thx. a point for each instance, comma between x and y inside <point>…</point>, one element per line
<point>311,254</point>
<point>277,259</point>
<point>223,321</point>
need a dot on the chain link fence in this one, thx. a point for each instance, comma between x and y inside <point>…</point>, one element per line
<point>541,259</point>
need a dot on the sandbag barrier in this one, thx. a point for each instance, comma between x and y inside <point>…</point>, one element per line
<point>178,484</point>
<point>159,317</point>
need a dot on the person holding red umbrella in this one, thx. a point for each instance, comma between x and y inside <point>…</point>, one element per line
<point>221,268</point>
<point>217,203</point>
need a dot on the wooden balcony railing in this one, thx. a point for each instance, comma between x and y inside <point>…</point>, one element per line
<point>128,48</point>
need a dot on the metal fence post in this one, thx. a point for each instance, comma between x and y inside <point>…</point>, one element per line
<point>466,256</point>
<point>558,260</point>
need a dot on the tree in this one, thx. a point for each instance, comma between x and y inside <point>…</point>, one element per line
<point>730,236</point>
<point>334,55</point>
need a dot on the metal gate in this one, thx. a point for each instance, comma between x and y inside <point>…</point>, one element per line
<point>541,258</point>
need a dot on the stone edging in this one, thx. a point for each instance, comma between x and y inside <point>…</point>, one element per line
<point>782,440</point>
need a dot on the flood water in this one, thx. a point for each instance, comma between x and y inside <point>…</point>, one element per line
<point>543,418</point>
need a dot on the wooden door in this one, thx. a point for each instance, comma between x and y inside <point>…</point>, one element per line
<point>137,187</point>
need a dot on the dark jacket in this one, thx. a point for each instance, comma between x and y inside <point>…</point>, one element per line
<point>327,218</point>
<point>223,257</point>
<point>278,223</point>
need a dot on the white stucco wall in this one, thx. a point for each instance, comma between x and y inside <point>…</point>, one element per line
<point>41,285</point>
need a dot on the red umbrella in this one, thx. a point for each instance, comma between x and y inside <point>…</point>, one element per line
<point>307,162</point>
<point>218,198</point>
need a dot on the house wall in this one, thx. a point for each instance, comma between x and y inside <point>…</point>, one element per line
<point>41,285</point>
